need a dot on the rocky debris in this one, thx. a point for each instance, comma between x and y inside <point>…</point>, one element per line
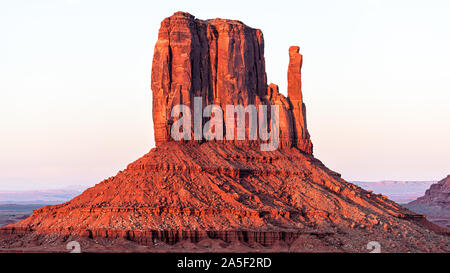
<point>199,193</point>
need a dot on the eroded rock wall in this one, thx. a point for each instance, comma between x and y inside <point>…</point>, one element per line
<point>221,61</point>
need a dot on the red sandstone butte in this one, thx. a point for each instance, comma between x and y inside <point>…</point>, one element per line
<point>224,196</point>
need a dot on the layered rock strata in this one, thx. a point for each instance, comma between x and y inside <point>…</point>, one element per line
<point>222,62</point>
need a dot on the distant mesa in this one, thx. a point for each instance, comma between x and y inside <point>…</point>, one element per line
<point>437,195</point>
<point>53,196</point>
<point>229,195</point>
<point>435,204</point>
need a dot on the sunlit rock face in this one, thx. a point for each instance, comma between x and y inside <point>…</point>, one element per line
<point>221,61</point>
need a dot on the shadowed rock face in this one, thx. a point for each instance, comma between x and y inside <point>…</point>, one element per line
<point>435,204</point>
<point>221,61</point>
<point>235,195</point>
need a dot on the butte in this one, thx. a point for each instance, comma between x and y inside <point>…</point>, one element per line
<point>225,195</point>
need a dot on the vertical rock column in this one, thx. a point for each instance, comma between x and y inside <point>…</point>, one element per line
<point>221,61</point>
<point>301,135</point>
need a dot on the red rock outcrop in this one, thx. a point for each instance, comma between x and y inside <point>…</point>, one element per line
<point>435,204</point>
<point>283,200</point>
<point>437,195</point>
<point>221,61</point>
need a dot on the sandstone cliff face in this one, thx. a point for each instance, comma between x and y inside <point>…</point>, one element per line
<point>232,194</point>
<point>437,195</point>
<point>221,61</point>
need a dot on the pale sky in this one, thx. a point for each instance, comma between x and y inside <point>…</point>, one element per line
<point>75,99</point>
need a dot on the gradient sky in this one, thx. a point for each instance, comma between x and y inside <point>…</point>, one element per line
<point>75,99</point>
